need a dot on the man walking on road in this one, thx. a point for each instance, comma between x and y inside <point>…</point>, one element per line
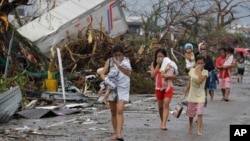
<point>209,65</point>
<point>224,81</point>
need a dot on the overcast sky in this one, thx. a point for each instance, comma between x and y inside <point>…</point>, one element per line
<point>147,4</point>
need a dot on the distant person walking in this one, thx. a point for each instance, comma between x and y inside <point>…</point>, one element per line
<point>224,81</point>
<point>213,81</point>
<point>195,93</point>
<point>241,66</point>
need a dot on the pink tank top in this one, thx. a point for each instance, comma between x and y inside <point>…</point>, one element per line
<point>158,81</point>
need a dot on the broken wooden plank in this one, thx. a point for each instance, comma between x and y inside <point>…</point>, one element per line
<point>32,104</point>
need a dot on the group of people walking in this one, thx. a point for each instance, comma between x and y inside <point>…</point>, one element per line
<point>202,80</point>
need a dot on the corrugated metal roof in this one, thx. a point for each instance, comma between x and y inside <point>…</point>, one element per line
<point>10,101</point>
<point>53,27</point>
<point>42,113</point>
<point>36,113</point>
<point>54,19</point>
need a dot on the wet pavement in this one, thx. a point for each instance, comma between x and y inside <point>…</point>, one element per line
<point>141,121</point>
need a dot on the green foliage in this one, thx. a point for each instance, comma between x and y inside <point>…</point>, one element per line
<point>141,84</point>
<point>181,66</point>
<point>20,80</point>
<point>4,85</point>
<point>7,83</point>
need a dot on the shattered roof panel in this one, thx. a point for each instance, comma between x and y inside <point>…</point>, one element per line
<point>10,101</point>
<point>50,22</point>
<point>67,19</point>
<point>42,113</point>
<point>36,113</point>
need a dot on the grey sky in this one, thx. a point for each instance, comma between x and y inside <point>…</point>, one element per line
<point>145,5</point>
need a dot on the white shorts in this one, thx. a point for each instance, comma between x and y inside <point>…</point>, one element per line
<point>112,95</point>
<point>120,93</point>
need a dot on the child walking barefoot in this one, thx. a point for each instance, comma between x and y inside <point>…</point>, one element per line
<point>213,81</point>
<point>195,90</point>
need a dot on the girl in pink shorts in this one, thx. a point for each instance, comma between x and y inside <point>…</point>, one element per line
<point>195,93</point>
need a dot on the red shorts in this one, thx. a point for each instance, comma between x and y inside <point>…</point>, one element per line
<point>160,95</point>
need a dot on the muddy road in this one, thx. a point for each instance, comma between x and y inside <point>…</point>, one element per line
<point>141,121</point>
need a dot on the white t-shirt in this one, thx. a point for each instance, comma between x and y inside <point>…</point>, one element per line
<point>165,62</point>
<point>229,61</point>
<point>190,64</point>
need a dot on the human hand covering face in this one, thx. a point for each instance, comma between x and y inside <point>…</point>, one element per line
<point>159,60</point>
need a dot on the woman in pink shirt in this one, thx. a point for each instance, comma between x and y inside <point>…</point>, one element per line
<point>163,97</point>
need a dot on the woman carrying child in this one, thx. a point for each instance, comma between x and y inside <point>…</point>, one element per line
<point>163,85</point>
<point>118,96</point>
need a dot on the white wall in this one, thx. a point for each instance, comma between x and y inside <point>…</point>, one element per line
<point>37,8</point>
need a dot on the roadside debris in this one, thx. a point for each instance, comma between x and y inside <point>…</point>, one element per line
<point>10,101</point>
<point>39,113</point>
<point>69,96</point>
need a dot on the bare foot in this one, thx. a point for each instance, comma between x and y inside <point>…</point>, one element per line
<point>164,128</point>
<point>199,133</point>
<point>119,138</point>
<point>113,137</point>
